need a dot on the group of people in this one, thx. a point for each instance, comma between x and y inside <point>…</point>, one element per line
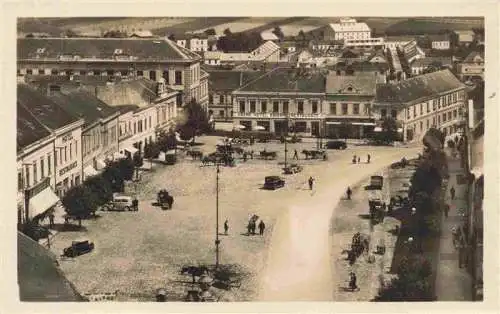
<point>357,159</point>
<point>250,227</point>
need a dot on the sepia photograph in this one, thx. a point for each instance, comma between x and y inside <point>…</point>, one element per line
<point>251,158</point>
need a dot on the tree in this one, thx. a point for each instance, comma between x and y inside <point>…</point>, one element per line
<point>278,32</point>
<point>100,188</point>
<point>389,132</point>
<point>79,202</point>
<point>227,32</point>
<point>196,122</point>
<point>210,32</point>
<point>138,162</point>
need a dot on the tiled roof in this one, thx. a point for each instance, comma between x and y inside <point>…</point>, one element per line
<point>83,104</point>
<point>399,38</point>
<point>439,37</point>
<point>361,66</point>
<point>351,27</point>
<point>286,80</point>
<point>46,111</point>
<point>38,275</point>
<point>425,62</point>
<point>268,36</point>
<point>138,92</point>
<point>230,80</point>
<point>360,84</point>
<point>470,57</point>
<point>29,129</point>
<point>105,48</point>
<point>422,86</point>
<point>143,34</point>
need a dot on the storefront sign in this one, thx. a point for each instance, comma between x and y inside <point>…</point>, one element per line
<point>68,168</point>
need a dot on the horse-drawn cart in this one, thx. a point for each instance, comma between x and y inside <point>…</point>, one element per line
<point>292,169</point>
<point>164,199</point>
<point>377,205</point>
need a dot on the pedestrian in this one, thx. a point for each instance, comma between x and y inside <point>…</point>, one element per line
<point>359,160</point>
<point>226,226</point>
<point>249,228</point>
<point>354,159</point>
<point>454,233</point>
<point>446,210</point>
<point>135,204</point>
<point>51,219</point>
<point>368,158</point>
<point>349,192</point>
<point>353,281</point>
<point>251,154</point>
<point>245,157</point>
<point>262,227</point>
<point>295,154</point>
<point>452,193</point>
<point>311,182</point>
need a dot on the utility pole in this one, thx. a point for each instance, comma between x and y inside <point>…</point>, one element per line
<point>217,241</point>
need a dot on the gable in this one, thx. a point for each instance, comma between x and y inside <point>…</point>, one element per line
<point>478,58</point>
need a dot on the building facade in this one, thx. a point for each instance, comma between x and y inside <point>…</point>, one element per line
<point>49,157</point>
<point>434,99</point>
<point>195,42</point>
<point>440,42</point>
<point>154,59</point>
<point>281,101</point>
<point>347,29</point>
<point>472,66</point>
<point>267,52</point>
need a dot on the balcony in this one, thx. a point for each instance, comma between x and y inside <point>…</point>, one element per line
<point>278,115</point>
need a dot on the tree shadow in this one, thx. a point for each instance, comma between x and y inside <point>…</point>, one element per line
<point>68,227</point>
<point>364,216</point>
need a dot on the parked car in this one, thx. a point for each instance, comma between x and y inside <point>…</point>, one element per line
<point>336,145</point>
<point>293,168</point>
<point>78,248</point>
<point>170,159</point>
<point>120,202</point>
<point>273,182</point>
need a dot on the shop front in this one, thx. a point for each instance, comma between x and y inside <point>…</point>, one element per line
<point>40,200</point>
<point>347,128</point>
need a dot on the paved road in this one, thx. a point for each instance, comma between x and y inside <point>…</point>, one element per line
<point>298,265</point>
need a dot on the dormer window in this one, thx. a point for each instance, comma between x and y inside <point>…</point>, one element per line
<point>349,89</point>
<point>40,50</point>
<point>118,51</point>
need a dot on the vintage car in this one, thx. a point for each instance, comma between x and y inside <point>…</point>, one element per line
<point>78,248</point>
<point>293,168</point>
<point>336,145</point>
<point>273,182</point>
<point>120,202</point>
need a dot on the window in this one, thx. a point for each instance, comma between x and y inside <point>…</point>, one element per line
<point>150,122</point>
<point>394,113</point>
<point>221,99</point>
<point>19,180</point>
<point>152,75</point>
<point>300,107</point>
<point>421,109</point>
<point>315,106</point>
<point>383,113</point>
<point>97,72</point>
<point>49,165</point>
<point>355,109</point>
<point>421,126</point>
<point>29,71</point>
<point>221,113</point>
<point>439,119</point>
<point>344,109</point>
<point>449,115</point>
<point>35,174</point>
<point>434,104</point>
<point>427,108</point>
<point>415,111</point>
<point>449,99</point>
<point>110,72</point>
<point>427,124</point>
<point>285,106</point>
<point>42,167</point>
<point>242,106</point>
<point>276,106</point>
<point>444,117</point>
<point>210,99</point>
<point>70,151</point>
<point>77,180</point>
<point>263,106</point>
<point>252,106</point>
<point>333,108</point>
<point>455,97</point>
<point>408,113</point>
<point>54,72</point>
<point>76,147</point>
<point>455,113</point>
<point>166,77</point>
<point>27,174</point>
<point>178,77</point>
<point>135,127</point>
<point>65,153</point>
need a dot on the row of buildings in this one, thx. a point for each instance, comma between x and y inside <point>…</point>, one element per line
<point>82,102</point>
<point>315,103</point>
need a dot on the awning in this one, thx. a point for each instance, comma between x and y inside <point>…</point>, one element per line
<point>41,202</point>
<point>377,129</point>
<point>363,123</point>
<point>333,123</point>
<point>100,164</point>
<point>131,149</point>
<point>90,171</point>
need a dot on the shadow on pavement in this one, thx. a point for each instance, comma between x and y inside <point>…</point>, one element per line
<point>68,228</point>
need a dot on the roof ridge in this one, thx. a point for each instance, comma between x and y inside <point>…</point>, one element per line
<point>258,78</point>
<point>176,48</point>
<point>35,118</point>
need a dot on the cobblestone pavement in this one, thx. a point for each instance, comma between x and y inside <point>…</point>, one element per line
<point>138,252</point>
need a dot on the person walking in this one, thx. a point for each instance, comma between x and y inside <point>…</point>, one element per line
<point>226,226</point>
<point>135,204</point>
<point>452,193</point>
<point>354,159</point>
<point>368,158</point>
<point>249,228</point>
<point>51,219</point>
<point>349,193</point>
<point>446,210</point>
<point>262,227</point>
<point>311,183</point>
<point>353,281</point>
<point>295,154</point>
<point>359,160</point>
